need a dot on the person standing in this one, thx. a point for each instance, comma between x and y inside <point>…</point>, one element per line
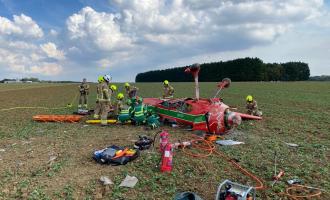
<point>97,109</point>
<point>84,91</point>
<point>131,91</point>
<point>104,100</point>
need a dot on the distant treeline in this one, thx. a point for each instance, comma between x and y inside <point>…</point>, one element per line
<point>243,69</point>
<point>320,78</point>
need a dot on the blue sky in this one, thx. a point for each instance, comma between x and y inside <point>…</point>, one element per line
<point>69,40</point>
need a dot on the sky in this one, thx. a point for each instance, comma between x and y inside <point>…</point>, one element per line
<point>75,39</point>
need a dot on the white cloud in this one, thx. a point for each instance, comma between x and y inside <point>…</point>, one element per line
<point>47,69</point>
<point>21,25</point>
<point>140,35</point>
<point>100,28</point>
<point>20,52</point>
<point>52,52</point>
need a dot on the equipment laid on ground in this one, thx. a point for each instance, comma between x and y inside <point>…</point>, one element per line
<point>228,190</point>
<point>98,121</point>
<point>115,155</point>
<point>167,158</point>
<point>187,196</point>
<point>143,143</point>
<point>82,111</point>
<point>163,140</point>
<point>57,118</point>
<point>182,144</point>
<point>277,177</point>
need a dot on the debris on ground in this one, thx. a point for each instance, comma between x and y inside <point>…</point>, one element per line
<point>105,180</point>
<point>228,142</point>
<point>291,144</point>
<point>26,142</point>
<point>51,159</point>
<point>294,181</point>
<point>129,181</point>
<point>2,150</point>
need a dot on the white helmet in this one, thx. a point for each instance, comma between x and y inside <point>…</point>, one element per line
<point>107,78</point>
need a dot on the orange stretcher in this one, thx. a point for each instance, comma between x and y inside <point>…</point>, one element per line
<point>57,118</point>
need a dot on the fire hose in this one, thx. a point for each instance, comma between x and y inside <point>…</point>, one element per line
<point>210,149</point>
<point>207,146</point>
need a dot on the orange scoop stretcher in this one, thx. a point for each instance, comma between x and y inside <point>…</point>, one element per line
<point>57,118</point>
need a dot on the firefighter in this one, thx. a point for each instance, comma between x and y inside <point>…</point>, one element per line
<point>84,90</point>
<point>113,89</point>
<point>104,99</point>
<point>97,109</point>
<point>168,90</point>
<point>252,107</point>
<point>119,103</point>
<point>131,91</point>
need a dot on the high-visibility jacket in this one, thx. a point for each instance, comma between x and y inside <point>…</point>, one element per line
<point>139,113</point>
<point>125,114</point>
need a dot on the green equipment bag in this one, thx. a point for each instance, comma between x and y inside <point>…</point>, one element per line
<point>153,121</point>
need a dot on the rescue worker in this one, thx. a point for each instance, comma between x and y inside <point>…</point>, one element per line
<point>119,104</point>
<point>125,113</point>
<point>104,100</point>
<point>113,89</point>
<point>168,90</point>
<point>84,91</point>
<point>131,91</point>
<point>139,112</point>
<point>97,109</point>
<point>252,107</point>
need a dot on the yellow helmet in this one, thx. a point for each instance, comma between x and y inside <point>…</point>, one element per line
<point>100,79</point>
<point>113,87</point>
<point>120,96</point>
<point>166,82</point>
<point>127,85</point>
<point>249,98</point>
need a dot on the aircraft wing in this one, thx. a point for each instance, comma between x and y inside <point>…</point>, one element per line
<point>247,116</point>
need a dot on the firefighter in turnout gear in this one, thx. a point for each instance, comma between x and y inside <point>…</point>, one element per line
<point>104,99</point>
<point>131,91</point>
<point>97,109</point>
<point>119,104</point>
<point>84,90</point>
<point>113,89</point>
<point>168,90</point>
<point>252,107</point>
